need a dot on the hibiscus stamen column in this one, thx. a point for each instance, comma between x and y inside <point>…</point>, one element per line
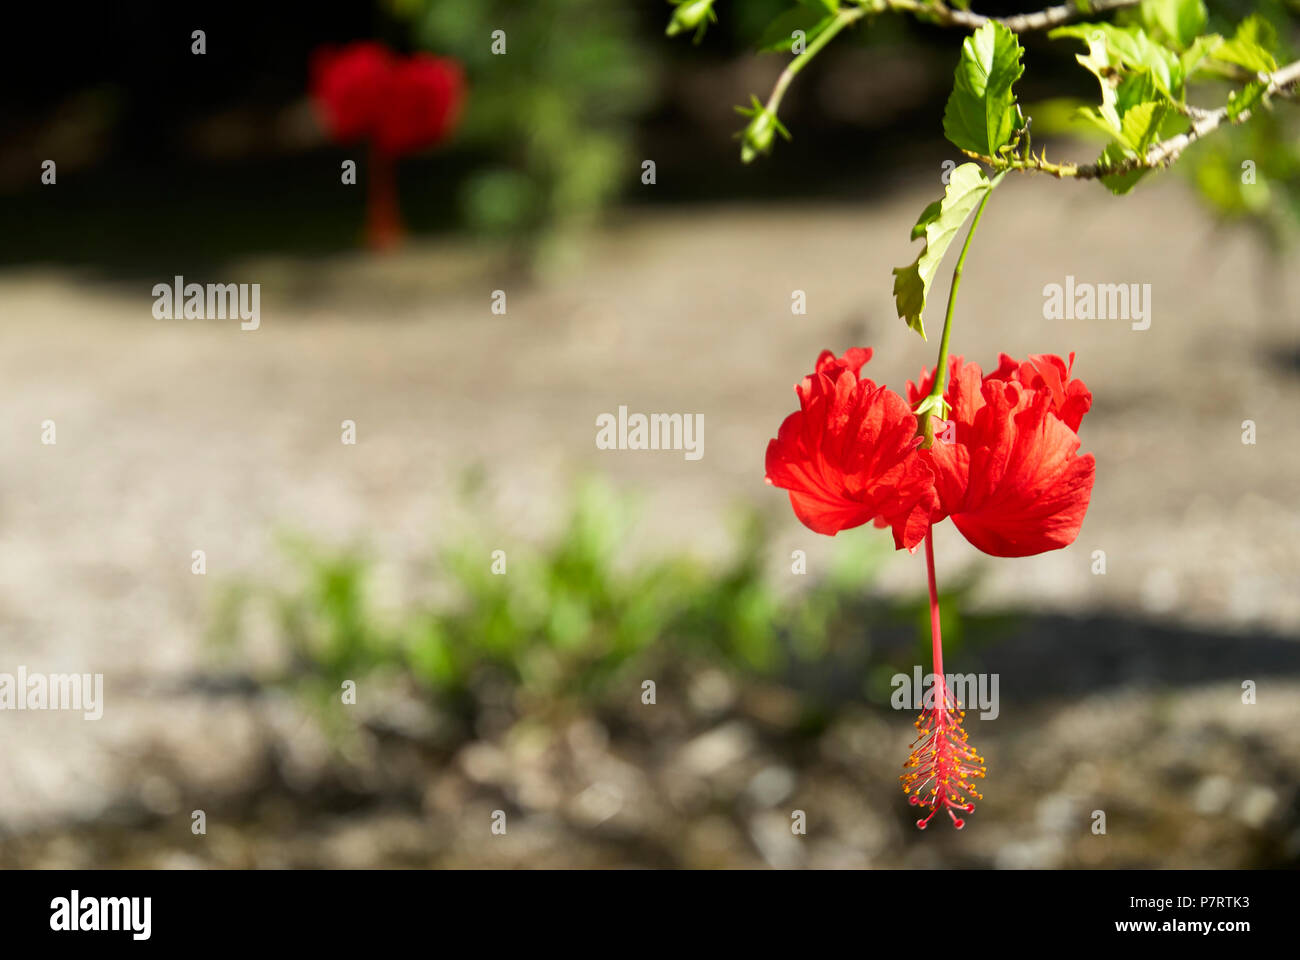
<point>942,762</point>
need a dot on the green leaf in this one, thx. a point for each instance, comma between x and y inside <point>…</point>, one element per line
<point>1101,118</point>
<point>981,115</point>
<point>1250,46</point>
<point>1247,98</point>
<point>939,225</point>
<point>1119,183</point>
<point>1139,129</point>
<point>1134,102</point>
<point>1201,48</point>
<point>928,214</point>
<point>1177,21</point>
<point>1056,116</point>
<point>1131,47</point>
<point>1098,62</point>
<point>1132,109</point>
<point>1141,125</point>
<point>779,35</point>
<point>1135,88</point>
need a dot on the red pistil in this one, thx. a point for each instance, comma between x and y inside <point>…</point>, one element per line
<point>942,764</point>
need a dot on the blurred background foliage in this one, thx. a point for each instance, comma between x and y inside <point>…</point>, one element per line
<point>574,622</point>
<point>554,134</point>
<point>553,117</point>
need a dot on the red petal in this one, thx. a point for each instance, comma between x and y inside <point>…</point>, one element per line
<point>1046,371</point>
<point>1027,491</point>
<point>351,85</point>
<point>848,456</point>
<point>422,109</point>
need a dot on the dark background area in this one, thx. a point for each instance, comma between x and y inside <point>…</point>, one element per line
<point>164,151</point>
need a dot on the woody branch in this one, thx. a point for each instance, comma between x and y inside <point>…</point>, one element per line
<point>1282,84</point>
<point>1045,19</point>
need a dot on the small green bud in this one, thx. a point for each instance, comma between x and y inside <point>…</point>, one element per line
<point>690,15</point>
<point>757,136</point>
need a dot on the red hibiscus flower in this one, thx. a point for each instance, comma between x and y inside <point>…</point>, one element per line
<point>1004,466</point>
<point>1005,462</point>
<point>848,455</point>
<point>366,92</point>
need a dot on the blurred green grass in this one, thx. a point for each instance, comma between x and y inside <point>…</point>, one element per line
<point>573,622</point>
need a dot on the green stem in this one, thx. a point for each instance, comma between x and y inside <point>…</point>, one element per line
<point>842,20</point>
<point>925,427</point>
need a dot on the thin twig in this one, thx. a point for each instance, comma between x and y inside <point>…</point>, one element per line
<point>942,14</point>
<point>1281,83</point>
<point>947,16</point>
<point>842,20</point>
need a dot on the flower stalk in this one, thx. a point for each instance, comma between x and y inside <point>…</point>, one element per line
<point>384,228</point>
<point>935,401</point>
<point>757,137</point>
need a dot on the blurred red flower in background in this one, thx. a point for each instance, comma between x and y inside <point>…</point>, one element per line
<point>365,91</point>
